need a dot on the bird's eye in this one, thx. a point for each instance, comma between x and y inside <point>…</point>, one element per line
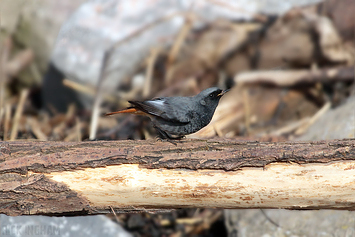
<point>211,95</point>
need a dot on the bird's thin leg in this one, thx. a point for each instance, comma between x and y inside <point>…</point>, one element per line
<point>161,133</point>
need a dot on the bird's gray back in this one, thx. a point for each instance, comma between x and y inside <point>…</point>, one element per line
<point>185,110</point>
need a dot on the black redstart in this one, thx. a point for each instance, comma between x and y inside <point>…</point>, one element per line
<point>175,117</point>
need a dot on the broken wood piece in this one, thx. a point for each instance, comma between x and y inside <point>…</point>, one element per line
<point>20,61</point>
<point>296,77</point>
<point>81,178</point>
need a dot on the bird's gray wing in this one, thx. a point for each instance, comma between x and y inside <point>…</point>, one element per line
<point>174,109</point>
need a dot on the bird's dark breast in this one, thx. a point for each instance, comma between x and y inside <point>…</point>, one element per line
<point>180,129</point>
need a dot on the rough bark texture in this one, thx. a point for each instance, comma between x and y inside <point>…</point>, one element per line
<point>23,156</point>
<point>34,177</point>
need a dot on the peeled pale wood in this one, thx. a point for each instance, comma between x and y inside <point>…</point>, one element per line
<point>79,178</point>
<point>296,77</point>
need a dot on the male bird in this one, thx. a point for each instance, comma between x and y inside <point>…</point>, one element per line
<point>175,117</point>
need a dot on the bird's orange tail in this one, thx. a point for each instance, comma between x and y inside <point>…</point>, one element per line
<point>127,111</point>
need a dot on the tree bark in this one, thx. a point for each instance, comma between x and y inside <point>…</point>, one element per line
<point>80,178</point>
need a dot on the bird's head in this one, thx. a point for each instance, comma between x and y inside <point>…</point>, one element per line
<point>211,96</point>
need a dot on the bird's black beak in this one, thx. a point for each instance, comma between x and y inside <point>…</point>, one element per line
<point>223,92</point>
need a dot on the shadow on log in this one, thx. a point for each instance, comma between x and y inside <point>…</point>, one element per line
<point>69,178</point>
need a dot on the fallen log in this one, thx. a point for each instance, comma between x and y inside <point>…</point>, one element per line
<point>290,78</point>
<point>81,178</point>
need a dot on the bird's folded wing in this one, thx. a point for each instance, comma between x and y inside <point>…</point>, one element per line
<point>164,109</point>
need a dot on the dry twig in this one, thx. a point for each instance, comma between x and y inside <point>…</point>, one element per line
<point>149,72</point>
<point>311,121</point>
<point>7,120</point>
<point>246,102</point>
<point>36,129</point>
<point>185,29</point>
<point>98,98</point>
<point>5,52</point>
<point>18,114</point>
<point>88,90</point>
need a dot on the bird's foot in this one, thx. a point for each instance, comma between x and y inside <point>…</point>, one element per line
<point>172,140</point>
<point>167,140</point>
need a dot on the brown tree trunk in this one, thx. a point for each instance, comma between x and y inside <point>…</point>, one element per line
<point>80,178</point>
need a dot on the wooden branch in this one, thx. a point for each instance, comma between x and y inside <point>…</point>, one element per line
<point>296,77</point>
<point>80,178</point>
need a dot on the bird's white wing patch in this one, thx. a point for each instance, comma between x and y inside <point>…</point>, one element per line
<point>157,103</point>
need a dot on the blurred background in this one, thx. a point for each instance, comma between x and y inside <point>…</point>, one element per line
<point>289,65</point>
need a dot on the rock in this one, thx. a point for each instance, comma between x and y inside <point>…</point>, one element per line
<point>337,123</point>
<point>136,27</point>
<point>32,226</point>
<point>250,223</point>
